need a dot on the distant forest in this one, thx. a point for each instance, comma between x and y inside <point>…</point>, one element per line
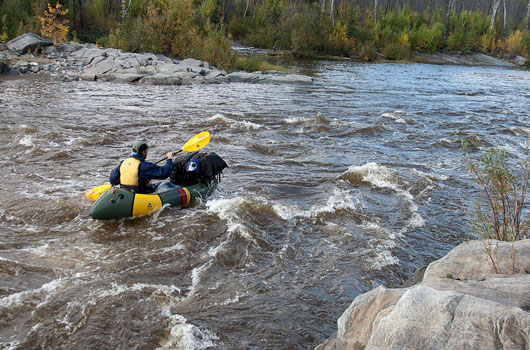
<point>365,29</point>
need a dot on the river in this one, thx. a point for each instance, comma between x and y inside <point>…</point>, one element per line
<point>332,189</point>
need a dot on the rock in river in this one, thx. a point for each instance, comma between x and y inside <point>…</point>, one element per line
<point>464,302</point>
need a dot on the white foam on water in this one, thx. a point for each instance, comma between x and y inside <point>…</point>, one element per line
<point>299,120</point>
<point>32,296</point>
<point>229,301</point>
<point>246,125</point>
<point>288,212</point>
<point>335,229</point>
<point>182,335</point>
<point>196,276</point>
<point>214,250</point>
<point>178,246</point>
<point>26,141</point>
<point>383,177</point>
<point>14,345</point>
<point>380,246</point>
<point>383,258</point>
<point>157,289</point>
<point>395,116</point>
<point>186,336</point>
<point>430,176</point>
<point>227,210</point>
<point>377,175</point>
<point>337,199</point>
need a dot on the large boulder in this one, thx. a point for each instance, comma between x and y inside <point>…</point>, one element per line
<point>28,41</point>
<point>476,297</point>
<point>6,69</point>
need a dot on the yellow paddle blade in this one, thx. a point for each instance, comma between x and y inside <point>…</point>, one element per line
<point>196,142</point>
<point>97,191</point>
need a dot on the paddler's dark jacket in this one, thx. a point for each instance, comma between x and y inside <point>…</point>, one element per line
<point>146,171</point>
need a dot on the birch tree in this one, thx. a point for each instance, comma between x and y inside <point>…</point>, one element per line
<point>528,17</point>
<point>446,21</point>
<point>504,21</point>
<point>375,11</point>
<point>125,7</point>
<point>332,11</point>
<point>494,10</point>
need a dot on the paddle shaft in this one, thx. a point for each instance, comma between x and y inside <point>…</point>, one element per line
<point>174,153</point>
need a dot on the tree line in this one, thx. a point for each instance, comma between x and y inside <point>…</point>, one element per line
<point>367,29</point>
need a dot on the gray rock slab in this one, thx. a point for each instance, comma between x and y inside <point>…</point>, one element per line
<point>127,71</point>
<point>28,41</point>
<point>214,73</point>
<point>160,79</point>
<point>356,324</point>
<point>169,68</point>
<point>425,318</point>
<point>75,75</point>
<point>103,67</point>
<point>89,54</point>
<point>470,261</point>
<point>163,58</point>
<point>243,77</point>
<point>132,61</point>
<point>479,309</point>
<point>124,78</point>
<point>146,70</point>
<point>146,58</point>
<point>49,50</point>
<point>70,47</point>
<point>292,79</point>
<point>191,62</point>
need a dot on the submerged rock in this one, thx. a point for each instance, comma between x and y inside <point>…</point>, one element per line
<point>462,303</point>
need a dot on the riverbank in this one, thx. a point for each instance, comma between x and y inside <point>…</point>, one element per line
<point>460,303</point>
<point>469,59</point>
<point>74,61</point>
<point>451,58</point>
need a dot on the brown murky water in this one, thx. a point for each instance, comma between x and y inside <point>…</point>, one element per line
<point>332,190</point>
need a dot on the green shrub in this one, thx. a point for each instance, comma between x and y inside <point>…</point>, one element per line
<point>254,63</point>
<point>396,51</point>
<point>487,43</point>
<point>526,45</point>
<point>216,50</point>
<point>368,51</point>
<point>457,39</point>
<point>427,39</point>
<point>306,36</point>
<point>498,213</point>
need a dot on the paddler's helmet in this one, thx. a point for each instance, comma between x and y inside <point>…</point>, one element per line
<point>139,146</point>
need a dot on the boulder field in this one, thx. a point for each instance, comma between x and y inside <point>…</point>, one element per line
<point>476,297</point>
<point>74,61</point>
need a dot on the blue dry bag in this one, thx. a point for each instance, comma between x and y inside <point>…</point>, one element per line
<point>194,165</point>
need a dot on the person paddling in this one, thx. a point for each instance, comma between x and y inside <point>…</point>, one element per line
<point>135,173</point>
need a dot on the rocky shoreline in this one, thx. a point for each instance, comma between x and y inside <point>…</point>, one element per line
<point>471,59</point>
<point>74,61</point>
<point>461,303</point>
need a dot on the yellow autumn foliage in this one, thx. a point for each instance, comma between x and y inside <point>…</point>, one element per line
<point>51,26</point>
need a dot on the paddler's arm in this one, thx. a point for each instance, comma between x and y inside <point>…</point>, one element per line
<point>152,171</point>
<point>114,177</point>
